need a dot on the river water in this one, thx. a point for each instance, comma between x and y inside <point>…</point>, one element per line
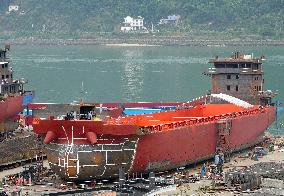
<point>68,73</point>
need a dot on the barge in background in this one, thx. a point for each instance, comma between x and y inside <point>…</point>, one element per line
<point>13,97</point>
<point>14,146</point>
<point>89,143</point>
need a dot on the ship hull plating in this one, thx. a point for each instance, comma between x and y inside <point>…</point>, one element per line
<point>163,151</point>
<point>154,152</point>
<point>9,108</point>
<point>84,162</point>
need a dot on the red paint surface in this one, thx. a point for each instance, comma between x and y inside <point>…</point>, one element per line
<point>168,147</point>
<point>112,105</point>
<point>176,146</point>
<point>10,107</point>
<point>78,128</point>
<point>198,141</point>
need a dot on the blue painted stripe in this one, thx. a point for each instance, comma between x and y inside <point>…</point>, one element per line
<point>27,99</point>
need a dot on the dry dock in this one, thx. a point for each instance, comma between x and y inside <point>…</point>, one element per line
<point>242,175</point>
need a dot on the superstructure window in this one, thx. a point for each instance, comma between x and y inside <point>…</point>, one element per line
<point>257,88</point>
<point>12,89</point>
<point>228,77</point>
<point>220,65</point>
<point>3,77</point>
<point>229,65</point>
<point>228,87</point>
<point>237,76</point>
<point>255,66</point>
<point>7,76</point>
<point>245,65</point>
<point>237,88</point>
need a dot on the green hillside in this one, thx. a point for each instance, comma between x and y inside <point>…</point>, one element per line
<point>83,18</point>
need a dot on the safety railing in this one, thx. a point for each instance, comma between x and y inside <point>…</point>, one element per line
<point>198,121</point>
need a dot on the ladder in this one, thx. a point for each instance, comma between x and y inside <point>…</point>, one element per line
<point>224,127</point>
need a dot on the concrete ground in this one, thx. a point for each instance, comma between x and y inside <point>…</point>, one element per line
<point>185,189</point>
<point>18,170</point>
<point>193,189</point>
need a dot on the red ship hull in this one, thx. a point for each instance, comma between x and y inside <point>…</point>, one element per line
<point>82,149</point>
<point>163,151</point>
<point>9,108</point>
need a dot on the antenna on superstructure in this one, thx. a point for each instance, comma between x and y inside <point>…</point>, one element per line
<point>279,111</point>
<point>7,47</point>
<point>83,92</point>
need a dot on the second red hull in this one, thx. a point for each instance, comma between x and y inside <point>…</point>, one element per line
<point>9,108</point>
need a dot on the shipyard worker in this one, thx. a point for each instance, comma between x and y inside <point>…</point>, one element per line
<point>122,108</point>
<point>67,117</point>
<point>220,163</point>
<point>90,115</point>
<point>222,158</point>
<point>203,170</point>
<point>94,114</point>
<point>220,168</point>
<point>217,159</point>
<point>70,116</point>
<point>74,114</point>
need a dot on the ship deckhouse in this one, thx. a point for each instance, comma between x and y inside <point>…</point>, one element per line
<point>240,76</point>
<point>7,84</point>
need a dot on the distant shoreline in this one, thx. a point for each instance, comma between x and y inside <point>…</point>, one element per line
<point>129,45</point>
<point>147,41</point>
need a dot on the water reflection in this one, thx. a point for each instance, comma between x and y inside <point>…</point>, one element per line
<point>132,76</point>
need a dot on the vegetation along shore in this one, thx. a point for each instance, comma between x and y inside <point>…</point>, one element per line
<point>146,41</point>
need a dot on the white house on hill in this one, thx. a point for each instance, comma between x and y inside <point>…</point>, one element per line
<point>171,19</point>
<point>133,24</point>
<point>13,8</point>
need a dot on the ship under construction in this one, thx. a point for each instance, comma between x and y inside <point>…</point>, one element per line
<point>95,140</point>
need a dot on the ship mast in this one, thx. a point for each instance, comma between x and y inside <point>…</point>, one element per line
<point>83,92</point>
